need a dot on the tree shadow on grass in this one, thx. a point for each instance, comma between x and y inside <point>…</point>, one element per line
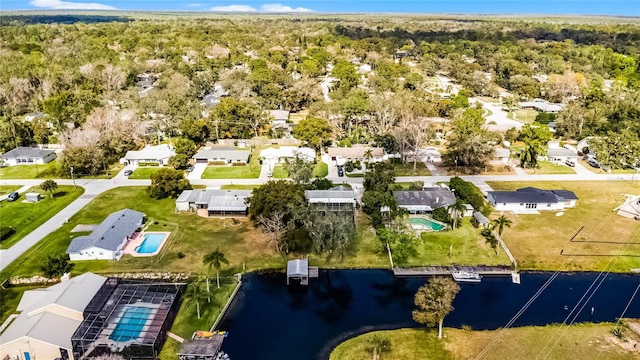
<point>60,194</point>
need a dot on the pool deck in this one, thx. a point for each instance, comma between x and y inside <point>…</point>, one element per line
<point>448,270</point>
<point>137,240</point>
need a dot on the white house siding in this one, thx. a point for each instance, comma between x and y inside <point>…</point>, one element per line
<point>96,253</point>
<point>527,206</point>
<point>182,206</point>
<point>37,350</point>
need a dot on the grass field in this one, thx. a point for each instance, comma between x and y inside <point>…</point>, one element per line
<point>523,115</point>
<point>406,169</point>
<point>536,241</point>
<point>547,167</point>
<point>232,172</point>
<point>24,217</point>
<point>144,172</point>
<point>238,187</point>
<point>279,172</point>
<point>6,189</point>
<point>320,170</point>
<point>579,341</point>
<point>29,171</point>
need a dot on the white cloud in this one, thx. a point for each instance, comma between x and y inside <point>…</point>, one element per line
<point>282,8</point>
<point>234,8</point>
<point>68,5</point>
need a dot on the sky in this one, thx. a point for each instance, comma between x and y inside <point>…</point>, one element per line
<point>573,7</point>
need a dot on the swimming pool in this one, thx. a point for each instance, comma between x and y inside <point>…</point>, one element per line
<point>151,244</point>
<point>131,323</point>
<point>426,223</point>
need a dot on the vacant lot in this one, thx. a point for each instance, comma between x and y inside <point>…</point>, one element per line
<point>579,341</point>
<point>144,172</point>
<point>547,167</point>
<point>406,169</point>
<point>605,240</point>
<point>24,217</point>
<point>232,172</point>
<point>29,171</point>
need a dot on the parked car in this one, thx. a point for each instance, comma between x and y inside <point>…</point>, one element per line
<point>593,163</point>
<point>13,196</point>
<point>570,163</point>
<point>189,168</point>
<point>128,172</point>
<point>340,171</point>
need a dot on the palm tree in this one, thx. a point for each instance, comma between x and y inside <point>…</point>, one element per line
<point>368,155</point>
<point>194,295</point>
<point>215,259</point>
<point>456,209</point>
<point>501,223</point>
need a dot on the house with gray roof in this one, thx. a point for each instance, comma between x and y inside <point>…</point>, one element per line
<point>561,155</point>
<point>210,202</point>
<point>158,154</point>
<point>48,318</point>
<point>531,200</point>
<point>28,156</point>
<point>222,156</point>
<point>424,201</point>
<point>339,198</point>
<point>108,239</point>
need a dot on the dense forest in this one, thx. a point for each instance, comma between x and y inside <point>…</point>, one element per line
<point>87,76</point>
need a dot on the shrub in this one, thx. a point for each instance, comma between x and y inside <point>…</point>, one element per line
<point>468,192</point>
<point>239,164</point>
<point>181,255</point>
<point>442,215</point>
<point>148,164</point>
<point>6,232</point>
<point>217,162</point>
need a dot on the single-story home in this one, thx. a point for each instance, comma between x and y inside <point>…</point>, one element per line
<point>531,199</point>
<point>561,155</point>
<point>222,156</point>
<point>424,201</point>
<point>108,239</point>
<point>279,116</point>
<point>279,155</point>
<point>500,156</point>
<point>211,202</point>
<point>339,198</point>
<point>542,105</point>
<point>28,156</point>
<point>151,154</point>
<point>48,319</point>
<point>357,152</point>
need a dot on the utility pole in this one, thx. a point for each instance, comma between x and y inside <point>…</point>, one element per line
<point>72,179</point>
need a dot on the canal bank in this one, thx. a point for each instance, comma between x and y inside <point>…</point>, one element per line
<point>268,321</point>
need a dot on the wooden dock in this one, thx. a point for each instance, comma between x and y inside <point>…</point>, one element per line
<point>313,272</point>
<point>448,270</point>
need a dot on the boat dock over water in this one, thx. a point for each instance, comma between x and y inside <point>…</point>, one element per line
<point>449,270</point>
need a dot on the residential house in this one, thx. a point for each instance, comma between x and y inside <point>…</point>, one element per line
<point>424,201</point>
<point>279,155</point>
<point>530,199</point>
<point>150,154</point>
<point>48,319</point>
<point>28,156</point>
<point>145,82</point>
<point>560,155</point>
<point>500,156</point>
<point>357,152</point>
<point>280,124</point>
<point>542,105</point>
<point>211,202</point>
<point>108,239</point>
<point>212,99</point>
<point>339,198</point>
<point>222,156</point>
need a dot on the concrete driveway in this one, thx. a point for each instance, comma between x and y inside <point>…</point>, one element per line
<point>498,116</point>
<point>196,173</point>
<point>22,190</point>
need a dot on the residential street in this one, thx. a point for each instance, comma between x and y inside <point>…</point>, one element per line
<point>94,188</point>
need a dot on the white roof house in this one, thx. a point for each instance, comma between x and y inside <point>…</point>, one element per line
<point>214,202</point>
<point>48,319</point>
<point>150,154</point>
<point>288,152</point>
<point>28,156</point>
<point>542,105</point>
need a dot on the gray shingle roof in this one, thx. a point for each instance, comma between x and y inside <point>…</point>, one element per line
<point>532,195</point>
<point>110,233</point>
<point>217,200</point>
<point>433,198</point>
<point>232,154</point>
<point>26,152</point>
<point>560,152</point>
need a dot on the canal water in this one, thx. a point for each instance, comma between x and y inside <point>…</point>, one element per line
<point>269,321</point>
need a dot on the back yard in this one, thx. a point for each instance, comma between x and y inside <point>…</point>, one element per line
<point>542,241</point>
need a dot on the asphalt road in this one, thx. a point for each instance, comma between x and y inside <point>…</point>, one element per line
<point>94,188</point>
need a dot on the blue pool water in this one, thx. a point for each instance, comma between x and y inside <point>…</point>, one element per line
<point>131,324</point>
<point>429,224</point>
<point>151,243</point>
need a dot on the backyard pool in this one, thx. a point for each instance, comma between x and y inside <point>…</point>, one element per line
<point>152,243</point>
<point>421,222</point>
<point>131,324</point>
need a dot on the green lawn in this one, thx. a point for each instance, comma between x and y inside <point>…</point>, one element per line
<point>144,172</point>
<point>25,217</point>
<point>231,172</point>
<point>238,187</point>
<point>578,341</point>
<point>30,171</point>
<point>406,169</point>
<point>537,240</point>
<point>526,115</point>
<point>469,248</point>
<point>547,167</point>
<point>6,189</point>
<point>279,172</point>
<point>321,170</point>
